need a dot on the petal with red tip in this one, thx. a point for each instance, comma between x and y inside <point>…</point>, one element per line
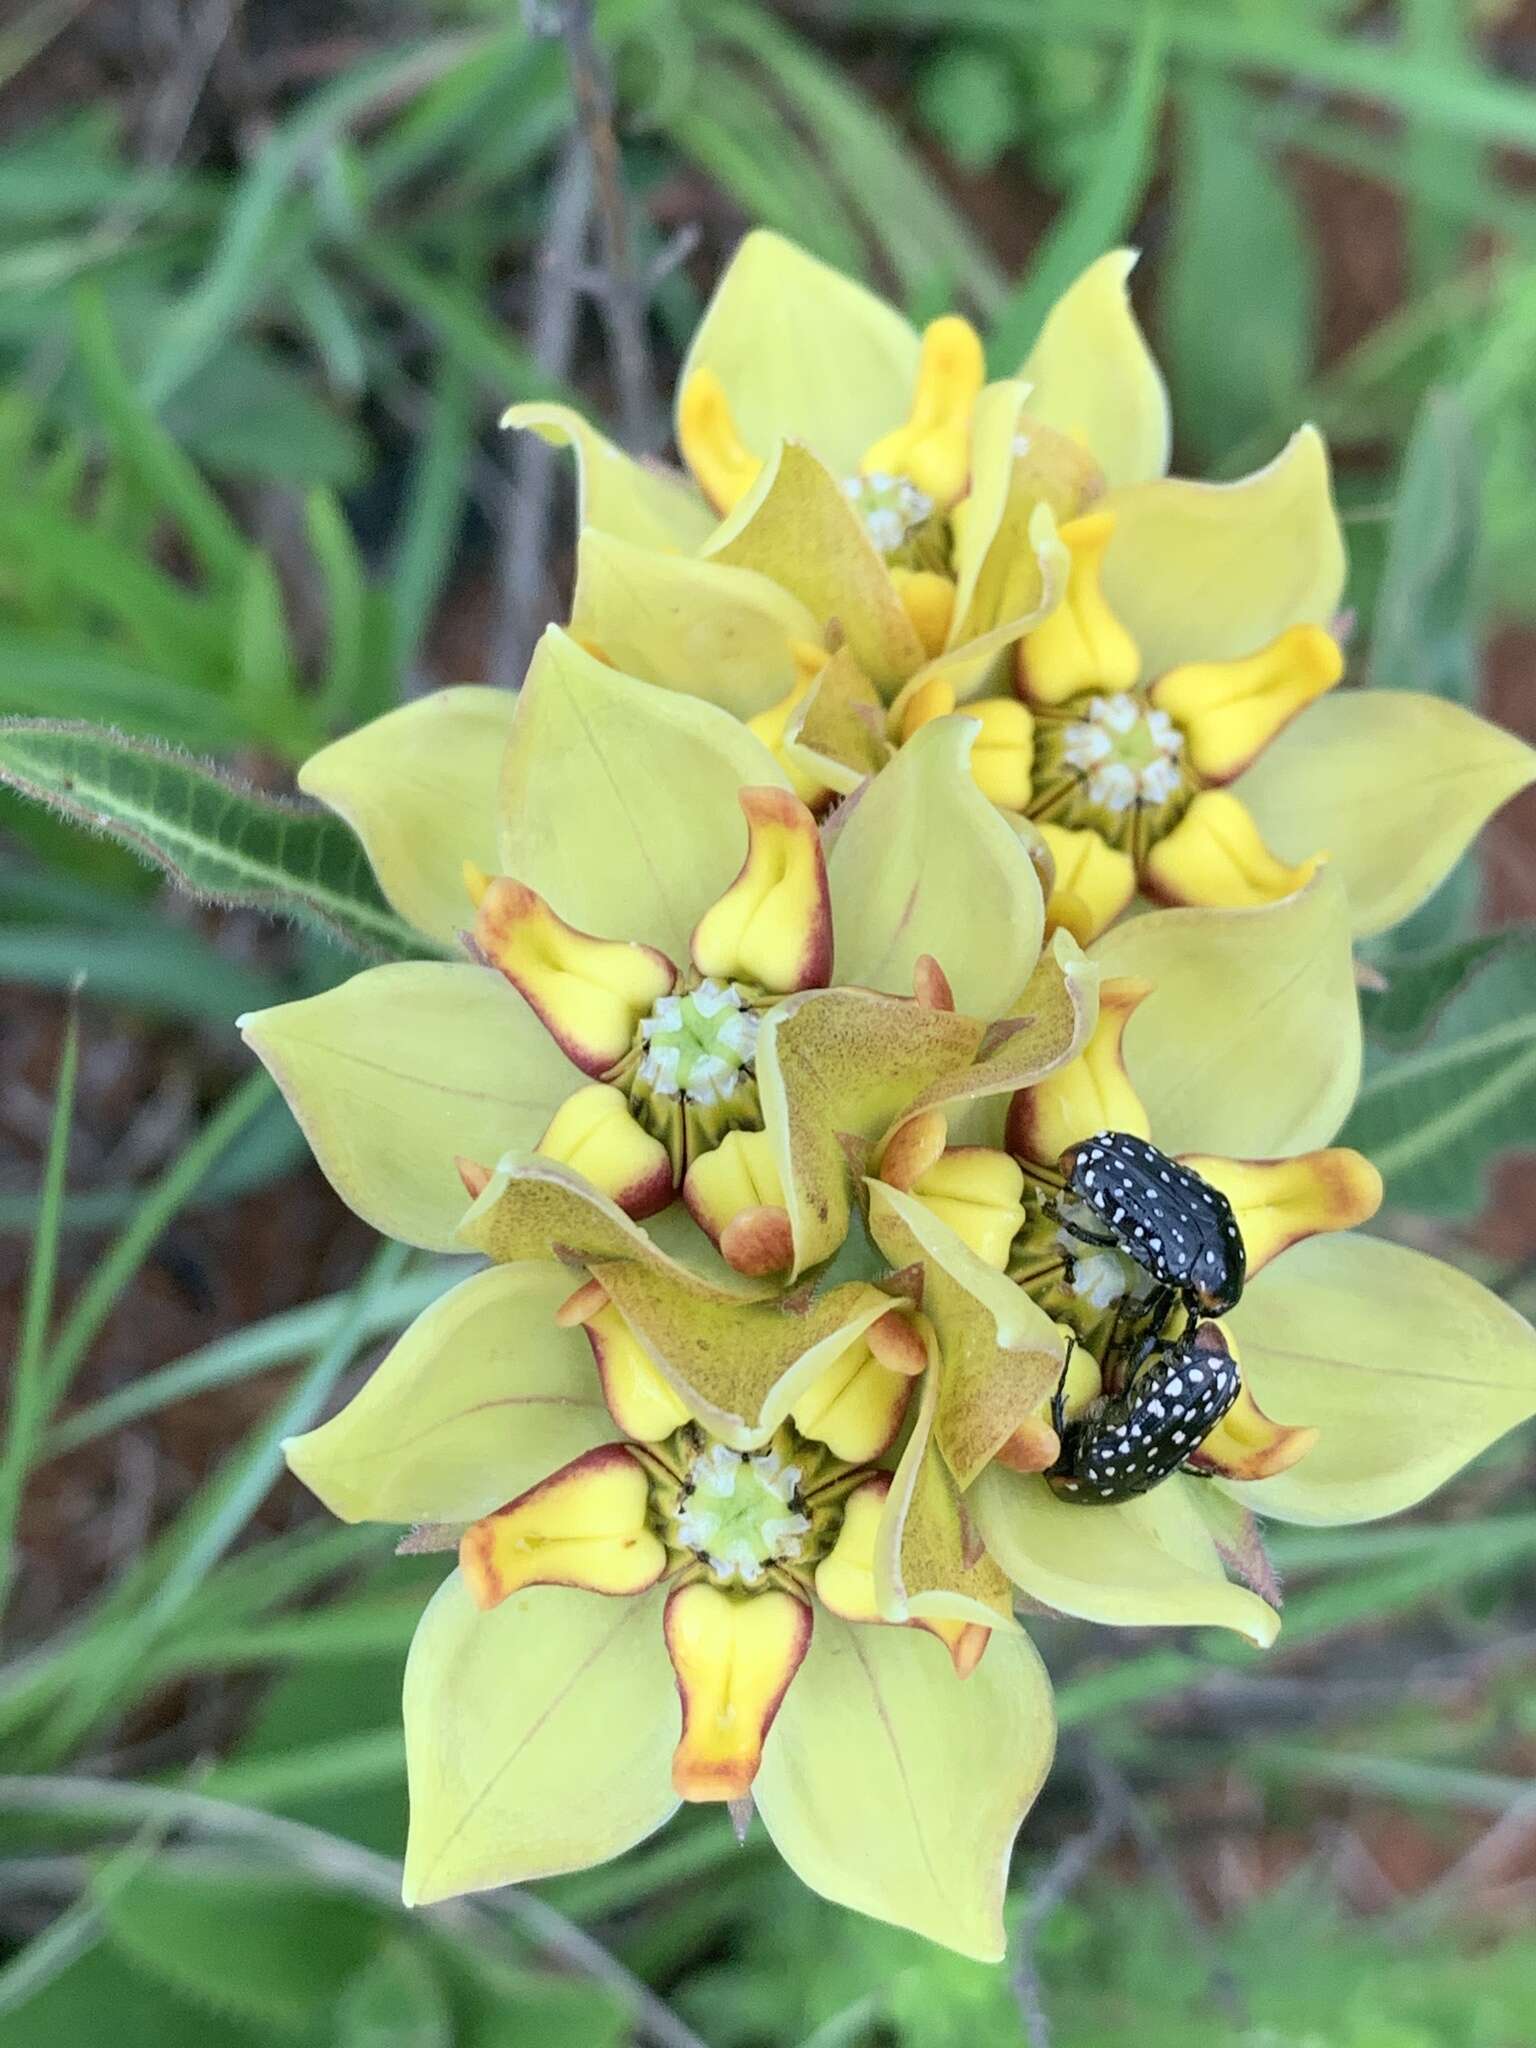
<point>855,1406</point>
<point>586,1526</point>
<point>1215,857</point>
<point>1281,1201</point>
<point>1229,711</point>
<point>589,993</point>
<point>773,927</point>
<point>734,1655</point>
<point>594,1134</point>
<point>1248,1444</point>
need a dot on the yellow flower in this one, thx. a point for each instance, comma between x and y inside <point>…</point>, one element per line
<point>1175,636</point>
<point>645,1616</point>
<point>638,891</point>
<point>751,1532</point>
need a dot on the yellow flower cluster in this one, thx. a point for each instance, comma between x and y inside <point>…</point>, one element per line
<point>881,1212</point>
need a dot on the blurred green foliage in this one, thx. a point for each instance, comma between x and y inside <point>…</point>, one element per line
<point>245,403</point>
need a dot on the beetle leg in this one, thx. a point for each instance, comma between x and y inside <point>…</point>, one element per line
<point>1059,1398</point>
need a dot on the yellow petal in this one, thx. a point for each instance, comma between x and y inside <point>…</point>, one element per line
<point>418,787</point>
<point>1094,376</point>
<point>1393,784</point>
<point>1216,857</point>
<point>645,1406</point>
<point>1250,1041</point>
<point>1407,1368</point>
<point>860,1790</point>
<point>977,1192</point>
<point>1082,645</point>
<point>587,1525</point>
<point>1095,882</point>
<point>855,1406</point>
<point>928,599</point>
<point>1090,1093</point>
<point>711,441</point>
<point>727,635</point>
<point>537,1737</point>
<point>397,1070</point>
<point>1229,711</point>
<point>773,925</point>
<point>593,1133</point>
<point>589,993</point>
<point>1207,572</point>
<point>933,699</point>
<point>1281,1201</point>
<point>933,447</point>
<point>920,840</point>
<point>1147,1563</point>
<point>797,527</point>
<point>484,1393</point>
<point>734,1655</point>
<point>643,502</point>
<point>1004,753</point>
<point>591,815</point>
<point>803,352</point>
<point>845,1578</point>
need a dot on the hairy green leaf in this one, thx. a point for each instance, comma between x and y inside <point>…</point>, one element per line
<point>216,838</point>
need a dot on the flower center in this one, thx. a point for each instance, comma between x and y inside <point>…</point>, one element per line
<point>741,1511</point>
<point>699,1045</point>
<point>890,506</point>
<point>1071,1272</point>
<point>1114,764</point>
<point>1127,751</point>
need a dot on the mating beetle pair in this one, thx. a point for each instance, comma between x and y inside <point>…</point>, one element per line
<point>1181,1231</point>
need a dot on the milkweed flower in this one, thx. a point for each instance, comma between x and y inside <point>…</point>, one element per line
<point>869,527</point>
<point>728,1535</point>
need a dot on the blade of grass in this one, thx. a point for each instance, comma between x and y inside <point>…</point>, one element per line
<point>160,1203</point>
<point>1471,103</point>
<point>215,1516</point>
<point>276,1340</point>
<point>238,268</point>
<point>29,1405</point>
<point>271,1146</point>
<point>1448,1557</point>
<point>1103,208</point>
<point>434,507</point>
<point>142,445</point>
<point>168,972</point>
<point>1392,1777</point>
<point>236,1594</point>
